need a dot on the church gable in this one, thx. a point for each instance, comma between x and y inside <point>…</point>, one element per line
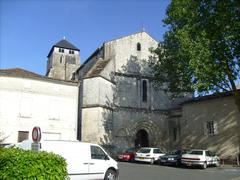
<point>131,53</point>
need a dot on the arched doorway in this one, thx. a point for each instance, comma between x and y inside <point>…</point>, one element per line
<point>141,139</point>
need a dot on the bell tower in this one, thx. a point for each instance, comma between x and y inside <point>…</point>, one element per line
<point>63,60</point>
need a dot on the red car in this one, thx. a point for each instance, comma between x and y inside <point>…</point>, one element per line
<point>127,155</point>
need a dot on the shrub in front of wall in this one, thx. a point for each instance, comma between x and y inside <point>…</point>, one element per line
<point>21,164</point>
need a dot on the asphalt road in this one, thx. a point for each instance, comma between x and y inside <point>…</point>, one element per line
<point>133,171</point>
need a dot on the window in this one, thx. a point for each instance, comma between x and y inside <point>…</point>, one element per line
<point>145,150</point>
<point>22,135</point>
<point>144,91</point>
<point>138,47</point>
<point>61,59</point>
<point>97,153</point>
<point>157,151</point>
<point>61,50</point>
<point>211,127</point>
<point>71,52</point>
<point>196,152</point>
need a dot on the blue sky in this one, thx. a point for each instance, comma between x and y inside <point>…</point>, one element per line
<point>29,28</point>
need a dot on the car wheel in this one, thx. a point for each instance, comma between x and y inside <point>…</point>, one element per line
<point>217,164</point>
<point>177,164</point>
<point>204,165</point>
<point>152,161</point>
<point>110,175</point>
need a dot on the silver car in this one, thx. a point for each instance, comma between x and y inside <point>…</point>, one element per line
<point>202,158</point>
<point>148,154</point>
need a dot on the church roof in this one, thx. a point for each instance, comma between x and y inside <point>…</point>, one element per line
<point>97,68</point>
<point>63,44</point>
<point>20,72</point>
<point>133,34</point>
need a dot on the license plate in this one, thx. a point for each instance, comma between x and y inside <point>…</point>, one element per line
<point>189,164</point>
<point>141,158</point>
<point>163,160</point>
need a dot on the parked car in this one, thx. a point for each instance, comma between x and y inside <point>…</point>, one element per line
<point>202,158</point>
<point>148,154</point>
<point>172,158</point>
<point>127,154</point>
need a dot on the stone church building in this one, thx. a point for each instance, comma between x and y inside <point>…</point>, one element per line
<point>116,102</point>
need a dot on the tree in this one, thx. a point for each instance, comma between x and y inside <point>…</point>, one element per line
<point>201,49</point>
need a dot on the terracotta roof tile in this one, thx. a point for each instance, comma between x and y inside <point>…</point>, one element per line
<point>19,71</point>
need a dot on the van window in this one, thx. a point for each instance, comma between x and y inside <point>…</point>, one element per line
<point>97,153</point>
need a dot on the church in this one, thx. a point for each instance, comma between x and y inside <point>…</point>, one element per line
<point>111,99</point>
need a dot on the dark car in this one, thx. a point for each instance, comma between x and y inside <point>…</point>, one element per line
<point>172,158</point>
<point>127,155</point>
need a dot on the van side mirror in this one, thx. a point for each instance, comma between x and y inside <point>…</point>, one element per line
<point>106,157</point>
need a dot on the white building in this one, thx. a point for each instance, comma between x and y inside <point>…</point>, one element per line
<point>28,100</point>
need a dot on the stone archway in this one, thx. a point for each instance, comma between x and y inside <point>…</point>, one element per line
<point>141,139</point>
<point>152,130</point>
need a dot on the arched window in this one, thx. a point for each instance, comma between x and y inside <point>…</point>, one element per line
<point>144,91</point>
<point>138,47</point>
<point>61,59</point>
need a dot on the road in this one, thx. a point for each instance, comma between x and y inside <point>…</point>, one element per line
<point>133,171</point>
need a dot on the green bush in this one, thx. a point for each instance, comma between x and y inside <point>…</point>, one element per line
<point>21,164</point>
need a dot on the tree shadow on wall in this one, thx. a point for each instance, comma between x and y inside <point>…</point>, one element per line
<point>122,89</point>
<point>224,142</point>
<point>136,66</point>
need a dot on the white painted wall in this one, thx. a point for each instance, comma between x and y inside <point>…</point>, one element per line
<point>25,103</point>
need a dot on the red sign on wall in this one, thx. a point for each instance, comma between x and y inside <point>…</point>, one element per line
<point>36,134</point>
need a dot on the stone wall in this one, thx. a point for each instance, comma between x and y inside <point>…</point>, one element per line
<point>62,65</point>
<point>97,91</point>
<point>224,113</point>
<point>127,122</point>
<point>126,57</point>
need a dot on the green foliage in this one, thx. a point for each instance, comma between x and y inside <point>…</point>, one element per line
<point>21,164</point>
<point>201,49</point>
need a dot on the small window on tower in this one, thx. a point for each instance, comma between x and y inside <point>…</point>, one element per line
<point>138,47</point>
<point>71,52</point>
<point>61,50</point>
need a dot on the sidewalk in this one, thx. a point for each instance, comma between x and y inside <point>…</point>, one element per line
<point>229,166</point>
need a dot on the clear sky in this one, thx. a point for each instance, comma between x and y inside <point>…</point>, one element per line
<point>29,28</point>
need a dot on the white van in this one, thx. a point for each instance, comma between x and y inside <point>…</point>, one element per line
<point>84,160</point>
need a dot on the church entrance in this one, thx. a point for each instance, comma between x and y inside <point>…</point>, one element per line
<point>141,139</point>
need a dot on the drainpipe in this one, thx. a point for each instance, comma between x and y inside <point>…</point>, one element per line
<point>79,118</point>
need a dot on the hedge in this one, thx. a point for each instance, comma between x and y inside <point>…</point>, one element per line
<point>21,164</point>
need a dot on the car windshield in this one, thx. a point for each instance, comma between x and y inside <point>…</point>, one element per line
<point>129,150</point>
<point>173,152</point>
<point>196,152</point>
<point>144,150</point>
